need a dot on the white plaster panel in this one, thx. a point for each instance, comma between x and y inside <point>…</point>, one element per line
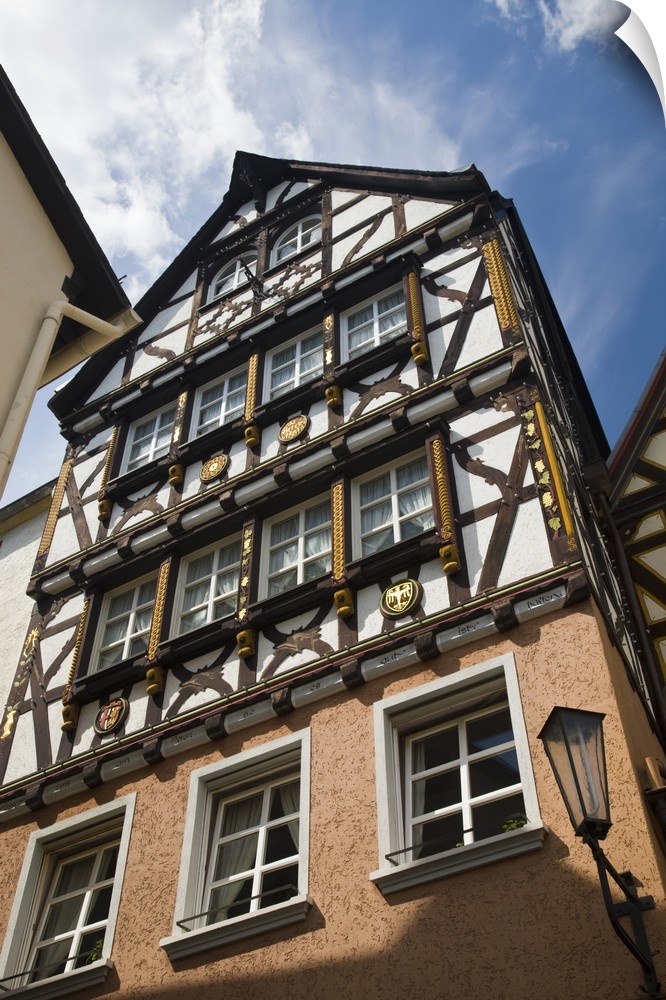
<point>497,452</point>
<point>117,512</point>
<point>64,541</point>
<point>318,419</point>
<point>17,555</point>
<point>85,733</point>
<point>173,342</point>
<point>528,552</point>
<point>167,318</point>
<point>295,280</point>
<point>477,420</point>
<point>384,234</point>
<point>223,313</point>
<point>54,711</point>
<point>341,197</point>
<point>438,342</point>
<point>370,618</point>
<point>482,339</point>
<point>187,286</point>
<point>23,756</point>
<point>138,706</point>
<point>99,440</point>
<point>52,646</point>
<point>418,211</point>
<point>476,538</point>
<point>362,211</point>
<point>89,469</point>
<point>435,587</point>
<point>110,381</point>
<point>274,193</point>
<point>266,651</point>
<point>245,214</point>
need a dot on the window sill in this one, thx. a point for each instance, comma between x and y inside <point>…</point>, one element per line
<point>66,983</point>
<point>192,942</point>
<point>460,859</point>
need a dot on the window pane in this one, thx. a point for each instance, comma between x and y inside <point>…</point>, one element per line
<point>438,748</point>
<point>239,855</point>
<point>200,569</point>
<point>493,773</point>
<point>412,473</point>
<point>279,886</point>
<point>242,814</point>
<point>438,835</point>
<point>120,605</point>
<point>62,917</point>
<point>51,960</point>
<point>101,900</point>
<point>489,731</point>
<point>279,844</point>
<point>494,817</point>
<point>436,792</point>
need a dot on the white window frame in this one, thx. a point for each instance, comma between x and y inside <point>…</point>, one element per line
<point>300,377</point>
<point>44,848</point>
<point>378,337</point>
<point>298,234</point>
<point>225,415</point>
<point>417,710</point>
<point>135,587</point>
<point>207,786</point>
<point>301,559</point>
<point>397,519</point>
<point>232,275</point>
<point>154,452</point>
<point>211,600</point>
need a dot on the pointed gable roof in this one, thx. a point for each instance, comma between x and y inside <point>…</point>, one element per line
<point>252,177</point>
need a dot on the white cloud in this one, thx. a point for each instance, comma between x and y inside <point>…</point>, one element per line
<point>567,23</point>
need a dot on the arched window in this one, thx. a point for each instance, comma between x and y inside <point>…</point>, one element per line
<point>234,274</point>
<point>302,234</point>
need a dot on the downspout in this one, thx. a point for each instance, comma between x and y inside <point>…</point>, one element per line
<point>38,364</point>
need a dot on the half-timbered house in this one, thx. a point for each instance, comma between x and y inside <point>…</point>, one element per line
<point>326,547</point>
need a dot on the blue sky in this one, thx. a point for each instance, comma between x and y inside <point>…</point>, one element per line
<point>144,104</point>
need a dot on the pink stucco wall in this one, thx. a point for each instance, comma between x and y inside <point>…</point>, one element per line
<point>529,926</point>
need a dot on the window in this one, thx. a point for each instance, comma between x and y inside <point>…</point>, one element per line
<point>234,274</point>
<point>394,505</point>
<point>298,237</point>
<point>245,853</point>
<point>150,439</point>
<point>454,783</point>
<point>220,402</point>
<point>299,362</point>
<point>62,923</point>
<point>210,587</point>
<point>299,547</point>
<point>125,627</point>
<point>374,323</point>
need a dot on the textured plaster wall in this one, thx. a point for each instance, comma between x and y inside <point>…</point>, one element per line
<point>31,275</point>
<point>18,548</point>
<point>526,926</point>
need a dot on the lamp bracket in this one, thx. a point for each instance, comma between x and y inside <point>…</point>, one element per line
<point>632,907</point>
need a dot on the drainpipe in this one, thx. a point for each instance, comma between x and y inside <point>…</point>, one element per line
<point>40,370</point>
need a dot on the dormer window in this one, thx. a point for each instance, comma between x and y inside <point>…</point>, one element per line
<point>298,237</point>
<point>234,274</point>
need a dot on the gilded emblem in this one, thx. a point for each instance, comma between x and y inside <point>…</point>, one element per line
<point>213,468</point>
<point>293,428</point>
<point>401,598</point>
<point>111,716</point>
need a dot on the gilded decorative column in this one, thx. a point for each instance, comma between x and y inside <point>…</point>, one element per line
<point>158,608</point>
<point>70,711</point>
<point>500,286</point>
<point>54,509</point>
<point>418,332</point>
<point>442,507</point>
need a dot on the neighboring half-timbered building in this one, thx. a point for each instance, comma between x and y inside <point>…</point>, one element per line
<point>327,545</point>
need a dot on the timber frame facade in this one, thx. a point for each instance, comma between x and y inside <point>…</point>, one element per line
<point>369,457</point>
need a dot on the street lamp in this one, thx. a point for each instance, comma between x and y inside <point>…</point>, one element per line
<point>574,742</point>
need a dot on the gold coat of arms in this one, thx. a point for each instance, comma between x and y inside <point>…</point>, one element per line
<point>400,598</point>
